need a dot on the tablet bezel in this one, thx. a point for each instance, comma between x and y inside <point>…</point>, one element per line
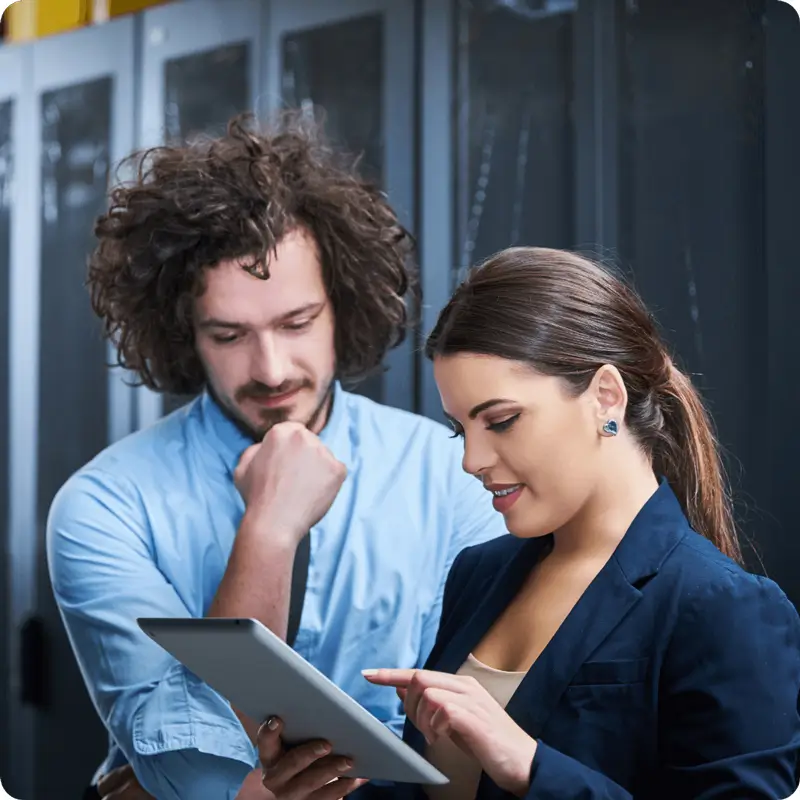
<point>197,643</point>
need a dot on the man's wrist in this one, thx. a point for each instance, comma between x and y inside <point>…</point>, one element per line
<point>259,525</point>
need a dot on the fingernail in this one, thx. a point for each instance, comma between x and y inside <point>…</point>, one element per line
<point>369,673</point>
<point>273,723</point>
<point>321,749</point>
<point>345,765</point>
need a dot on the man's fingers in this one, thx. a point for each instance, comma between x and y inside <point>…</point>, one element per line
<point>120,793</point>
<point>302,770</point>
<point>338,789</point>
<point>269,743</point>
<point>325,773</point>
<point>245,459</point>
<point>114,780</point>
<point>128,791</point>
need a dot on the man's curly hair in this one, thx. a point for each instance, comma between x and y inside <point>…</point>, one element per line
<point>195,205</point>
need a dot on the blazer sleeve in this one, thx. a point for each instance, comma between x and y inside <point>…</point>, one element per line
<point>729,722</point>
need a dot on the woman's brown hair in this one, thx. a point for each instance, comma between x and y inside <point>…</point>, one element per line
<point>192,206</point>
<point>566,316</point>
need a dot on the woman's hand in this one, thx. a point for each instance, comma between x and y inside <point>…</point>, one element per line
<point>456,706</point>
<point>306,772</point>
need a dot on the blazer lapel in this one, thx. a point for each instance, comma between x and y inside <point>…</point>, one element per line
<point>652,535</point>
<point>498,594</point>
<point>602,607</point>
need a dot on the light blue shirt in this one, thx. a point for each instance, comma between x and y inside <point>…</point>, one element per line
<point>146,529</point>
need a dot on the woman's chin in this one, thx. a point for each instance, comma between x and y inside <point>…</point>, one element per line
<point>527,531</point>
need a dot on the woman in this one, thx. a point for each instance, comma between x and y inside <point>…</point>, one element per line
<point>612,647</point>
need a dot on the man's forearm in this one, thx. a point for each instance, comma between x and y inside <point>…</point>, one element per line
<point>258,579</point>
<point>257,584</point>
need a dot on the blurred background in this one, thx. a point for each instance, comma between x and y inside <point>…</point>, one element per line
<point>659,134</point>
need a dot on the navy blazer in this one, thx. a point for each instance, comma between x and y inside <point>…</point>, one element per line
<point>677,674</point>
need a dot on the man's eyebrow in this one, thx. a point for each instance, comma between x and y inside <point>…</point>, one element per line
<point>308,308</point>
<point>214,322</point>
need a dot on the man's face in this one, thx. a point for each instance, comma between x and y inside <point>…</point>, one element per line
<point>268,345</point>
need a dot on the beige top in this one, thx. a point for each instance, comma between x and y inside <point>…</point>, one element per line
<point>464,771</point>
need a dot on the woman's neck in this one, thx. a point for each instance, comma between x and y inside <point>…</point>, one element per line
<point>607,514</point>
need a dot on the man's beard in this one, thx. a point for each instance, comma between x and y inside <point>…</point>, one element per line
<point>270,416</point>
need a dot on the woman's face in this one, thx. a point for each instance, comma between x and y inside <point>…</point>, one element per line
<point>531,442</point>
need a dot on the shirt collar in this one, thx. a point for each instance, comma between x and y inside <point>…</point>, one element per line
<point>232,442</point>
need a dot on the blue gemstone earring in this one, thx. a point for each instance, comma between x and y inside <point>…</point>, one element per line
<point>611,428</point>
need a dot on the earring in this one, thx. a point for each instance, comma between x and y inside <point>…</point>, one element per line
<point>611,428</point>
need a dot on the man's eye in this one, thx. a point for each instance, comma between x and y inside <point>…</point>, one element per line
<point>297,326</point>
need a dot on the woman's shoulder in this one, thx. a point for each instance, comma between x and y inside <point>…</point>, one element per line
<point>487,558</point>
<point>714,593</point>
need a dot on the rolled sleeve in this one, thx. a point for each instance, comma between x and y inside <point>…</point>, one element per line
<point>104,576</point>
<point>182,774</point>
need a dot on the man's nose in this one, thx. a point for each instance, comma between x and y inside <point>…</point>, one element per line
<point>270,363</point>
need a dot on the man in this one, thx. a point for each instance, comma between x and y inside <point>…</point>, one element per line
<point>259,272</point>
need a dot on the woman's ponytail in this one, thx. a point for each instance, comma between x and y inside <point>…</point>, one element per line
<point>687,454</point>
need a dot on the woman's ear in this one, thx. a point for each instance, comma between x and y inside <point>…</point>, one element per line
<point>609,399</point>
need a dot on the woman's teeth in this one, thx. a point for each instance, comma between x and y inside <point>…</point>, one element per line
<point>504,492</point>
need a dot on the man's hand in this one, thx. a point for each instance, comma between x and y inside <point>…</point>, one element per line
<point>121,784</point>
<point>306,772</point>
<point>289,480</point>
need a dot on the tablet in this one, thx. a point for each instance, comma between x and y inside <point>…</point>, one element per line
<point>261,676</point>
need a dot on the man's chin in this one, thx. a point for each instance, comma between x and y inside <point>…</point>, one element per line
<point>255,420</point>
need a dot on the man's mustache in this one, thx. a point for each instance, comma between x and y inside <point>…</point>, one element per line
<point>261,391</point>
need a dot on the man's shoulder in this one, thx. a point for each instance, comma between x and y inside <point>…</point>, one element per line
<point>140,458</point>
<point>392,421</point>
<point>407,444</point>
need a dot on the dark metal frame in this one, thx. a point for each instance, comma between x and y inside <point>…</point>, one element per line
<point>596,151</point>
<point>780,436</point>
<point>15,69</point>
<point>47,64</point>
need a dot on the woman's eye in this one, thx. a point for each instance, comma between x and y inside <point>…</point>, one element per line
<point>503,425</point>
